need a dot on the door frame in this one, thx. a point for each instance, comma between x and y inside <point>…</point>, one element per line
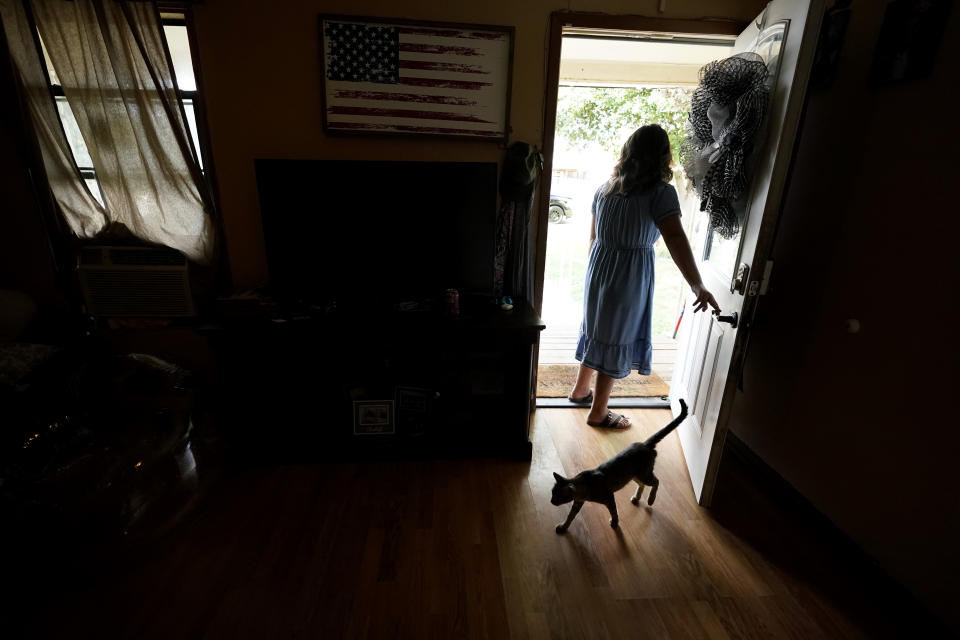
<point>559,20</point>
<point>584,20</point>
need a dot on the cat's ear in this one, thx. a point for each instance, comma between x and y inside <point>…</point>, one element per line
<point>558,477</point>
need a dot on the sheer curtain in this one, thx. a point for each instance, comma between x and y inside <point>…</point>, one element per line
<point>112,62</point>
<point>82,212</point>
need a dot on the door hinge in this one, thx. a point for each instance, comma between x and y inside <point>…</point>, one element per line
<point>765,281</point>
<point>759,287</point>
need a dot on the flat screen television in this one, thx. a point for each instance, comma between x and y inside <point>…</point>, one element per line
<point>373,233</point>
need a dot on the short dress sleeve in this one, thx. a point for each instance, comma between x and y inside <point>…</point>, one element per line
<point>665,204</point>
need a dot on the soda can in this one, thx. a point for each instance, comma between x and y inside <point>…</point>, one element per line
<point>451,303</point>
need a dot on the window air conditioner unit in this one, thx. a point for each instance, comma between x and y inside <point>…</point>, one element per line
<point>134,282</point>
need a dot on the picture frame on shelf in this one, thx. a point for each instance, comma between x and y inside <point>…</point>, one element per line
<point>373,417</point>
<point>414,409</point>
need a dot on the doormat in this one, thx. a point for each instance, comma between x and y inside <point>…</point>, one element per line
<point>556,381</point>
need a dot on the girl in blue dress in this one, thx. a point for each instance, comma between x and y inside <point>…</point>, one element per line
<point>634,208</point>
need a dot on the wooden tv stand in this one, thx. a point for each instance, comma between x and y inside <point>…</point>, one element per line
<point>291,384</point>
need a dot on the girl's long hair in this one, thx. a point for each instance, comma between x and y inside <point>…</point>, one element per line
<point>645,160</point>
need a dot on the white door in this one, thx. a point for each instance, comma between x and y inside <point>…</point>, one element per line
<point>711,348</point>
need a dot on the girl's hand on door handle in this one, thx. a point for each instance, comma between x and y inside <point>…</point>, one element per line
<point>704,299</point>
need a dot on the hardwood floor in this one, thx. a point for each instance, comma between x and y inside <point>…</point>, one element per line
<point>467,549</point>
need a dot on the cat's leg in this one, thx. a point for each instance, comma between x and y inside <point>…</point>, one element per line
<point>574,510</point>
<point>612,507</point>
<point>654,484</point>
<point>636,497</point>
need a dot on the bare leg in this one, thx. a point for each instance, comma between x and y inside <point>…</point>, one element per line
<point>574,510</point>
<point>636,497</point>
<point>601,396</point>
<point>582,386</point>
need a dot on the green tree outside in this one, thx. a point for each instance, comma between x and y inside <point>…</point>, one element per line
<point>606,116</point>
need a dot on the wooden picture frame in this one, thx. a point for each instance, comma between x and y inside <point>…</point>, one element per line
<point>390,76</point>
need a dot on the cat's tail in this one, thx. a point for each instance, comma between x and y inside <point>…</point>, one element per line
<point>660,435</point>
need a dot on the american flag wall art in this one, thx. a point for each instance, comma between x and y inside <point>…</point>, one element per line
<point>395,77</point>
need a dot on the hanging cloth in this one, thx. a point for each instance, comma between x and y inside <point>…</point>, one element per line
<point>84,216</point>
<point>513,257</point>
<point>112,62</point>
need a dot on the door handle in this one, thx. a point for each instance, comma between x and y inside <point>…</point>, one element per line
<point>732,319</point>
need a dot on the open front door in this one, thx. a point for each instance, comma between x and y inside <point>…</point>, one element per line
<point>711,349</point>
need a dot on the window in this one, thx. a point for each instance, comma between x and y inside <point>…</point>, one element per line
<point>178,43</point>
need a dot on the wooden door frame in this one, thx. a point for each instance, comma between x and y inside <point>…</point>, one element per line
<point>559,20</point>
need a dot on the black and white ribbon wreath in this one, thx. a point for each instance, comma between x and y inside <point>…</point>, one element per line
<point>727,110</point>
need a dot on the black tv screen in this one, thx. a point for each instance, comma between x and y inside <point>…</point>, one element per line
<point>377,232</point>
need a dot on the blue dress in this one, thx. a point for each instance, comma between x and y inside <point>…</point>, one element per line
<point>618,295</point>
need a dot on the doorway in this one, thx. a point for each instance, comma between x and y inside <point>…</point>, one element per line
<point>608,83</point>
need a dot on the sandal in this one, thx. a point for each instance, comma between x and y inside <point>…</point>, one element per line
<point>587,399</point>
<point>612,421</point>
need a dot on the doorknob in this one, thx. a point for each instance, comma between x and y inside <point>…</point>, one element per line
<point>732,319</point>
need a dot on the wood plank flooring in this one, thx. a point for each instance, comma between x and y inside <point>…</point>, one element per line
<point>466,549</point>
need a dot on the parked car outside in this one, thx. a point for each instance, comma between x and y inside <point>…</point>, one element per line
<point>561,208</point>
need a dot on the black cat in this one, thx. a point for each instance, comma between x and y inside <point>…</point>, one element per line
<point>597,485</point>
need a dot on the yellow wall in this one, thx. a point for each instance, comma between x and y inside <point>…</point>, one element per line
<point>260,63</point>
